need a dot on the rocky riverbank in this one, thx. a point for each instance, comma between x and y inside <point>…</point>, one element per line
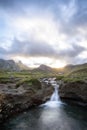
<point>74,92</point>
<point>17,98</point>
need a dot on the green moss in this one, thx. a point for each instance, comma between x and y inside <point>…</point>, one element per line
<point>60,77</point>
<point>34,83</point>
<point>69,79</point>
<point>5,80</point>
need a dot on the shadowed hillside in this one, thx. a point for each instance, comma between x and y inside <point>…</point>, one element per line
<point>11,65</point>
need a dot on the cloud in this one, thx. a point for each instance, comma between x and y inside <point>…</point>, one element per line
<point>72,52</point>
<point>68,10</point>
<point>39,49</point>
<point>2,50</point>
<point>38,28</point>
<point>31,49</point>
<point>3,53</point>
<point>81,15</point>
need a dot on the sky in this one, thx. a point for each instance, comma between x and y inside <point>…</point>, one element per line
<point>50,32</point>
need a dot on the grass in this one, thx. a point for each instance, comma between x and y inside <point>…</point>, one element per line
<point>75,76</point>
<point>60,77</point>
<point>29,77</point>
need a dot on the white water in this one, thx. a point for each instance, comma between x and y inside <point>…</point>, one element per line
<point>54,100</point>
<point>55,96</point>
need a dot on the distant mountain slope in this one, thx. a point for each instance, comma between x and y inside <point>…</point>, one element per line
<point>71,68</point>
<point>44,68</point>
<point>22,66</point>
<point>79,71</point>
<point>8,65</point>
<point>11,65</point>
<point>66,70</point>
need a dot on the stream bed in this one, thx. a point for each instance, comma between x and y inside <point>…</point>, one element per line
<point>62,117</point>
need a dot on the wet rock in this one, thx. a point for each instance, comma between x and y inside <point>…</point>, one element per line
<point>75,92</point>
<point>14,100</point>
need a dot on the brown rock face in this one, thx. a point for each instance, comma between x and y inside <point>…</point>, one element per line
<point>14,100</point>
<point>74,91</point>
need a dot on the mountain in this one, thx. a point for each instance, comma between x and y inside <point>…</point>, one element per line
<point>8,65</point>
<point>11,65</point>
<point>22,66</point>
<point>71,68</point>
<point>43,68</point>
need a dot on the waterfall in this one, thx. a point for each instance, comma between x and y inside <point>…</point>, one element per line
<point>55,96</point>
<point>54,99</point>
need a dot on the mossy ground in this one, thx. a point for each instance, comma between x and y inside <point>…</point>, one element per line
<point>29,77</point>
<point>74,76</point>
<point>23,77</point>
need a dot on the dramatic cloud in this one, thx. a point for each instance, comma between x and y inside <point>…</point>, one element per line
<point>48,31</point>
<point>31,49</point>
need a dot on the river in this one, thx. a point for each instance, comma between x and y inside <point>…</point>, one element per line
<point>53,115</point>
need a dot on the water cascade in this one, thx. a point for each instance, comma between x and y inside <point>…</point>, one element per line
<point>55,96</point>
<point>54,100</point>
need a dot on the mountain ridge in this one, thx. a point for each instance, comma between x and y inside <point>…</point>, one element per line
<point>11,65</point>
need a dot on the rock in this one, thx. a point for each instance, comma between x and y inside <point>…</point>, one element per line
<point>75,92</point>
<point>14,100</point>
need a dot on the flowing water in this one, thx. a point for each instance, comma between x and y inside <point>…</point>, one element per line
<point>53,115</point>
<point>54,100</point>
<point>55,96</point>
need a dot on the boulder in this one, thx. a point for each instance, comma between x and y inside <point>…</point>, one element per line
<point>75,92</point>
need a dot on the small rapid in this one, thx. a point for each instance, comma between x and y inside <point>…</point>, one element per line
<point>54,99</point>
<point>55,96</point>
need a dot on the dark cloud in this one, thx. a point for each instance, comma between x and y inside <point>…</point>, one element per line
<point>72,52</point>
<point>77,60</point>
<point>39,49</point>
<point>29,48</point>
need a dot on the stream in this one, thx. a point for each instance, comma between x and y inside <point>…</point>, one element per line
<point>53,115</point>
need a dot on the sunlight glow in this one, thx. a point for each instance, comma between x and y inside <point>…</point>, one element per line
<point>36,61</point>
<point>58,64</point>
